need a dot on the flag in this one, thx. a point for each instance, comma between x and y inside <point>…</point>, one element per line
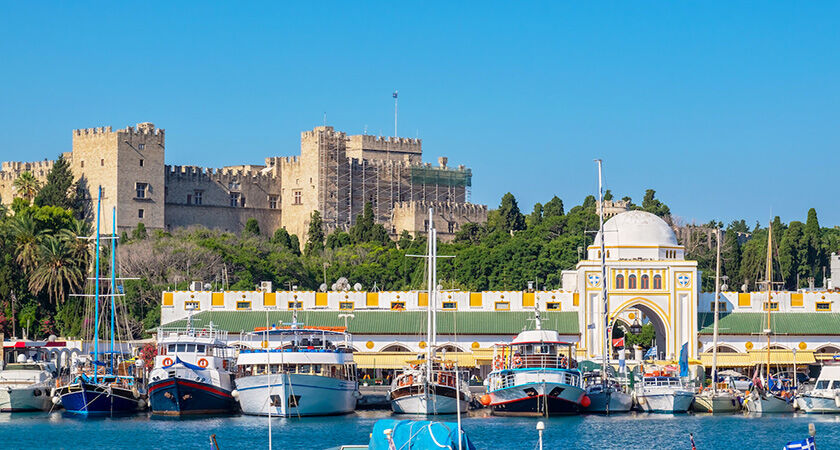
<point>684,360</point>
<point>805,444</point>
<point>651,353</point>
<point>618,342</point>
<point>395,94</point>
<point>691,436</point>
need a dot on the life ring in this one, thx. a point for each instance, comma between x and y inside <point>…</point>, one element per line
<point>517,361</point>
<point>264,344</point>
<point>167,361</point>
<point>498,363</point>
<point>448,365</point>
<point>202,363</point>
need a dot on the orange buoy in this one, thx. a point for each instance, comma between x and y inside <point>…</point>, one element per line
<point>585,402</point>
<point>485,399</point>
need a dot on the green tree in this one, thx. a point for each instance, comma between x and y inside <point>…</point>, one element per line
<point>816,258</point>
<point>26,186</point>
<point>27,237</point>
<point>139,233</point>
<point>294,244</point>
<point>553,208</point>
<point>57,270</point>
<point>536,217</point>
<point>281,238</point>
<point>405,240</point>
<point>315,236</point>
<point>58,190</point>
<point>793,254</point>
<point>608,195</point>
<point>652,205</point>
<point>730,257</point>
<point>510,217</point>
<point>252,227</point>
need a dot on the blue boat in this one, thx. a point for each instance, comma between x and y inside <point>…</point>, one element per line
<point>98,388</point>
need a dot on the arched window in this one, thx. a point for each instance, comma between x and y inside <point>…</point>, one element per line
<point>619,281</point>
<point>645,282</point>
<point>631,282</point>
<point>657,282</point>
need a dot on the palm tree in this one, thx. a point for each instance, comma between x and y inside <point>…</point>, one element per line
<point>27,185</point>
<point>26,237</point>
<point>57,270</point>
<point>74,238</point>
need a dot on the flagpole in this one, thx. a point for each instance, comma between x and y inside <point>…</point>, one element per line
<point>395,113</point>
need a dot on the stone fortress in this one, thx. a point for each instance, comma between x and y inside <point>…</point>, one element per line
<point>335,174</point>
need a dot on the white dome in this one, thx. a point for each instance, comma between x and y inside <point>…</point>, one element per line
<point>637,228</point>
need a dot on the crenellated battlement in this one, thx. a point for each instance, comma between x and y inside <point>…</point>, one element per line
<point>141,129</point>
<point>223,175</point>
<point>443,207</point>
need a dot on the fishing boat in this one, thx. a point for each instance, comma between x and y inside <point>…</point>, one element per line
<point>297,372</point>
<point>767,395</point>
<point>825,397</point>
<point>606,395</point>
<point>662,391</point>
<point>431,384</point>
<point>192,373</point>
<point>26,383</point>
<point>535,375</point>
<point>99,387</point>
<point>713,400</point>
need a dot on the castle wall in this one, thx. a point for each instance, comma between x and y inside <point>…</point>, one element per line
<point>364,146</point>
<point>222,217</point>
<point>448,217</point>
<point>11,170</point>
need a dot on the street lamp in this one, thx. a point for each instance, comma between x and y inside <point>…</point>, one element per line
<point>636,328</point>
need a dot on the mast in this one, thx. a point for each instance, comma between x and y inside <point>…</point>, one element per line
<point>603,258</point>
<point>96,294</point>
<point>113,282</point>
<point>429,310</point>
<point>769,293</point>
<point>717,302</point>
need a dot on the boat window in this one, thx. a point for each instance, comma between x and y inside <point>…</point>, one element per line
<point>199,348</point>
<point>182,348</point>
<point>822,384</point>
<point>303,368</point>
<point>275,368</point>
<point>190,348</point>
<point>172,348</point>
<point>835,384</point>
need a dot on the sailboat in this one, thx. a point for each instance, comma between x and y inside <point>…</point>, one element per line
<point>605,394</point>
<point>761,398</point>
<point>430,385</point>
<point>99,389</point>
<point>713,400</point>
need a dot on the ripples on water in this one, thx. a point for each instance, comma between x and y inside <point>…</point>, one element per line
<point>626,431</point>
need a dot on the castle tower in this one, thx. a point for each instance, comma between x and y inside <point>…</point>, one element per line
<point>129,165</point>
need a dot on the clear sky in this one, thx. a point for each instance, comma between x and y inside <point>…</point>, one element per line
<point>728,109</point>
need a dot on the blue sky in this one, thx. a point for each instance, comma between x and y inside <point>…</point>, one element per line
<point>727,109</point>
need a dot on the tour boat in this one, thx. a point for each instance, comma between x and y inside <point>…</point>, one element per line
<point>662,391</point>
<point>297,372</point>
<point>713,400</point>
<point>192,373</point>
<point>430,384</point>
<point>106,386</point>
<point>825,397</point>
<point>605,394</point>
<point>766,396</point>
<point>25,384</point>
<point>535,375</point>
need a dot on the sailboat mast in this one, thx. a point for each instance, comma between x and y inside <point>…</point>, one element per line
<point>769,292</point>
<point>96,288</point>
<point>715,329</point>
<point>603,257</point>
<point>433,299</point>
<point>113,281</point>
<point>430,238</point>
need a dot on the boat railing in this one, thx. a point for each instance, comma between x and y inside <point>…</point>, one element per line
<point>508,379</point>
<point>540,361</point>
<point>205,332</point>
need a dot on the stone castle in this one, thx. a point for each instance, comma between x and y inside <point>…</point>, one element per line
<point>335,174</point>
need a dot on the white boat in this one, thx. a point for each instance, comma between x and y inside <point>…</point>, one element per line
<point>663,392</point>
<point>535,375</point>
<point>297,372</point>
<point>25,385</point>
<point>192,373</point>
<point>430,384</point>
<point>761,402</point>
<point>606,396</point>
<point>825,397</point>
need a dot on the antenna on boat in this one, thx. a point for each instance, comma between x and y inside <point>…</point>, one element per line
<point>537,317</point>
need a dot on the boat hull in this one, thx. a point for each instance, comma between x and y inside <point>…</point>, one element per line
<point>816,404</point>
<point>716,404</point>
<point>665,402</point>
<point>770,404</point>
<point>434,403</point>
<point>97,399</point>
<point>177,397</point>
<point>537,399</point>
<point>26,398</point>
<point>292,395</point>
<point>609,402</point>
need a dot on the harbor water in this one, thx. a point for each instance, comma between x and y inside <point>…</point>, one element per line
<point>625,431</point>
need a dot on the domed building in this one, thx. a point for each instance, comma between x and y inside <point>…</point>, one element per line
<point>648,279</point>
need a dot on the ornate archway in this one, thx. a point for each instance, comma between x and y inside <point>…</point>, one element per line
<point>653,314</point>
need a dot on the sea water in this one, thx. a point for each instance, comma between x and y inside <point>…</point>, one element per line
<point>619,431</point>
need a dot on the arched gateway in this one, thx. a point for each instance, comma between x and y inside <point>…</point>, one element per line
<point>646,271</point>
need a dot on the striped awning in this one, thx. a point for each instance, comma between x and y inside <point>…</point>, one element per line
<point>753,357</point>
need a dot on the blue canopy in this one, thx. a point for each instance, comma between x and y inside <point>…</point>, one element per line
<point>416,435</point>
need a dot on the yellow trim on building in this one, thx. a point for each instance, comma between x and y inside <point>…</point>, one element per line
<point>576,299</point>
<point>241,305</point>
<point>167,299</point>
<point>320,299</point>
<point>422,299</point>
<point>217,299</point>
<point>744,299</point>
<point>528,300</point>
<point>270,299</point>
<point>372,299</point>
<point>502,306</point>
<point>822,306</point>
<point>796,299</point>
<point>475,299</point>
